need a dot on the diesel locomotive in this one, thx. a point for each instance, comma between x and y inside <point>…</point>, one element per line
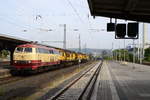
<point>36,57</point>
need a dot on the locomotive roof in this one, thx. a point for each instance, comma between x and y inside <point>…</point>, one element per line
<point>46,47</point>
<point>35,46</point>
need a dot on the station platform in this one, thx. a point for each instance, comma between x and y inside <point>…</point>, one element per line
<point>124,82</point>
<point>5,71</point>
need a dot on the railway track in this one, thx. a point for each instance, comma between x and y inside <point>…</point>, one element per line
<point>20,86</point>
<point>82,87</point>
<point>4,63</point>
<point>11,79</point>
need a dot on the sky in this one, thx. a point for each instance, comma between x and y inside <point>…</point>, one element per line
<point>31,20</point>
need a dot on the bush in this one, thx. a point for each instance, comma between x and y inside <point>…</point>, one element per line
<point>4,53</point>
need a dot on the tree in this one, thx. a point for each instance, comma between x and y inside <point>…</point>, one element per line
<point>147,54</point>
<point>119,54</point>
<point>4,53</point>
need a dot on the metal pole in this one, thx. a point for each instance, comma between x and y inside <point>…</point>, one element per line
<point>119,53</point>
<point>116,55</point>
<point>124,51</point>
<point>133,54</point>
<point>64,36</point>
<point>133,51</point>
<point>112,50</point>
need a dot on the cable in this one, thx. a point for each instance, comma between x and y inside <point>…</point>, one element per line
<point>13,23</point>
<point>75,10</point>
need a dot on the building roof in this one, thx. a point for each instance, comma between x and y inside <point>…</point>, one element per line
<point>8,38</point>
<point>138,10</point>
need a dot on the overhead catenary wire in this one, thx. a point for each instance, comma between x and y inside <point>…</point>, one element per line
<point>13,23</point>
<point>74,9</point>
<point>24,27</point>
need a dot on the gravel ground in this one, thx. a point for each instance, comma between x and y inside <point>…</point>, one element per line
<point>35,86</point>
<point>74,92</point>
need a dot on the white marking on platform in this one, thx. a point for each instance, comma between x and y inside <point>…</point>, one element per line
<point>144,95</point>
<point>112,86</point>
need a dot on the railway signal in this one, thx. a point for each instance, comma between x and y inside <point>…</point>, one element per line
<point>133,30</point>
<point>127,31</point>
<point>120,30</point>
<point>110,27</point>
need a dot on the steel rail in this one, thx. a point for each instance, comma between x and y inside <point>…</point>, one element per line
<point>62,91</point>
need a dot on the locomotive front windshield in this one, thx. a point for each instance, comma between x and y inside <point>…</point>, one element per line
<point>27,49</point>
<point>20,49</point>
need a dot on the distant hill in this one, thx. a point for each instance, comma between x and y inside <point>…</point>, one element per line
<point>91,51</point>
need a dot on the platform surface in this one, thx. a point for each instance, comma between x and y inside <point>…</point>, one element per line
<point>5,71</point>
<point>124,82</point>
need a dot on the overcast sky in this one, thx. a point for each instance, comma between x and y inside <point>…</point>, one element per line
<point>30,19</point>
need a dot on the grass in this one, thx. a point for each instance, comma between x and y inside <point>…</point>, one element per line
<point>21,98</point>
<point>2,91</point>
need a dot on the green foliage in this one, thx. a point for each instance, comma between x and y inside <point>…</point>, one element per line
<point>107,58</point>
<point>2,91</point>
<point>119,54</point>
<point>129,55</point>
<point>147,54</point>
<point>4,53</point>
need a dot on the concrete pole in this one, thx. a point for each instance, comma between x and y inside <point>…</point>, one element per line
<point>85,48</point>
<point>144,39</point>
<point>138,50</point>
<point>141,53</point>
<point>64,46</point>
<point>79,44</point>
<point>133,55</point>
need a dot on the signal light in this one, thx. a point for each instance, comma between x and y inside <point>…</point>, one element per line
<point>110,27</point>
<point>133,30</point>
<point>121,30</point>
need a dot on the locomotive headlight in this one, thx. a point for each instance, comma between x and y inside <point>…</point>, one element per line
<point>29,61</point>
<point>15,61</point>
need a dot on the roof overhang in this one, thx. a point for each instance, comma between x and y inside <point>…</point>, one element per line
<point>8,38</point>
<point>137,10</point>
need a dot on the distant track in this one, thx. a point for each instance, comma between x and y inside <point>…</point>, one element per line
<point>9,79</point>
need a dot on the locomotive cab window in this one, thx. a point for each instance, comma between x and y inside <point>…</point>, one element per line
<point>19,49</point>
<point>28,50</point>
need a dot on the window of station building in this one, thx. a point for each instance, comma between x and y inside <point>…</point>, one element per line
<point>19,49</point>
<point>28,50</point>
